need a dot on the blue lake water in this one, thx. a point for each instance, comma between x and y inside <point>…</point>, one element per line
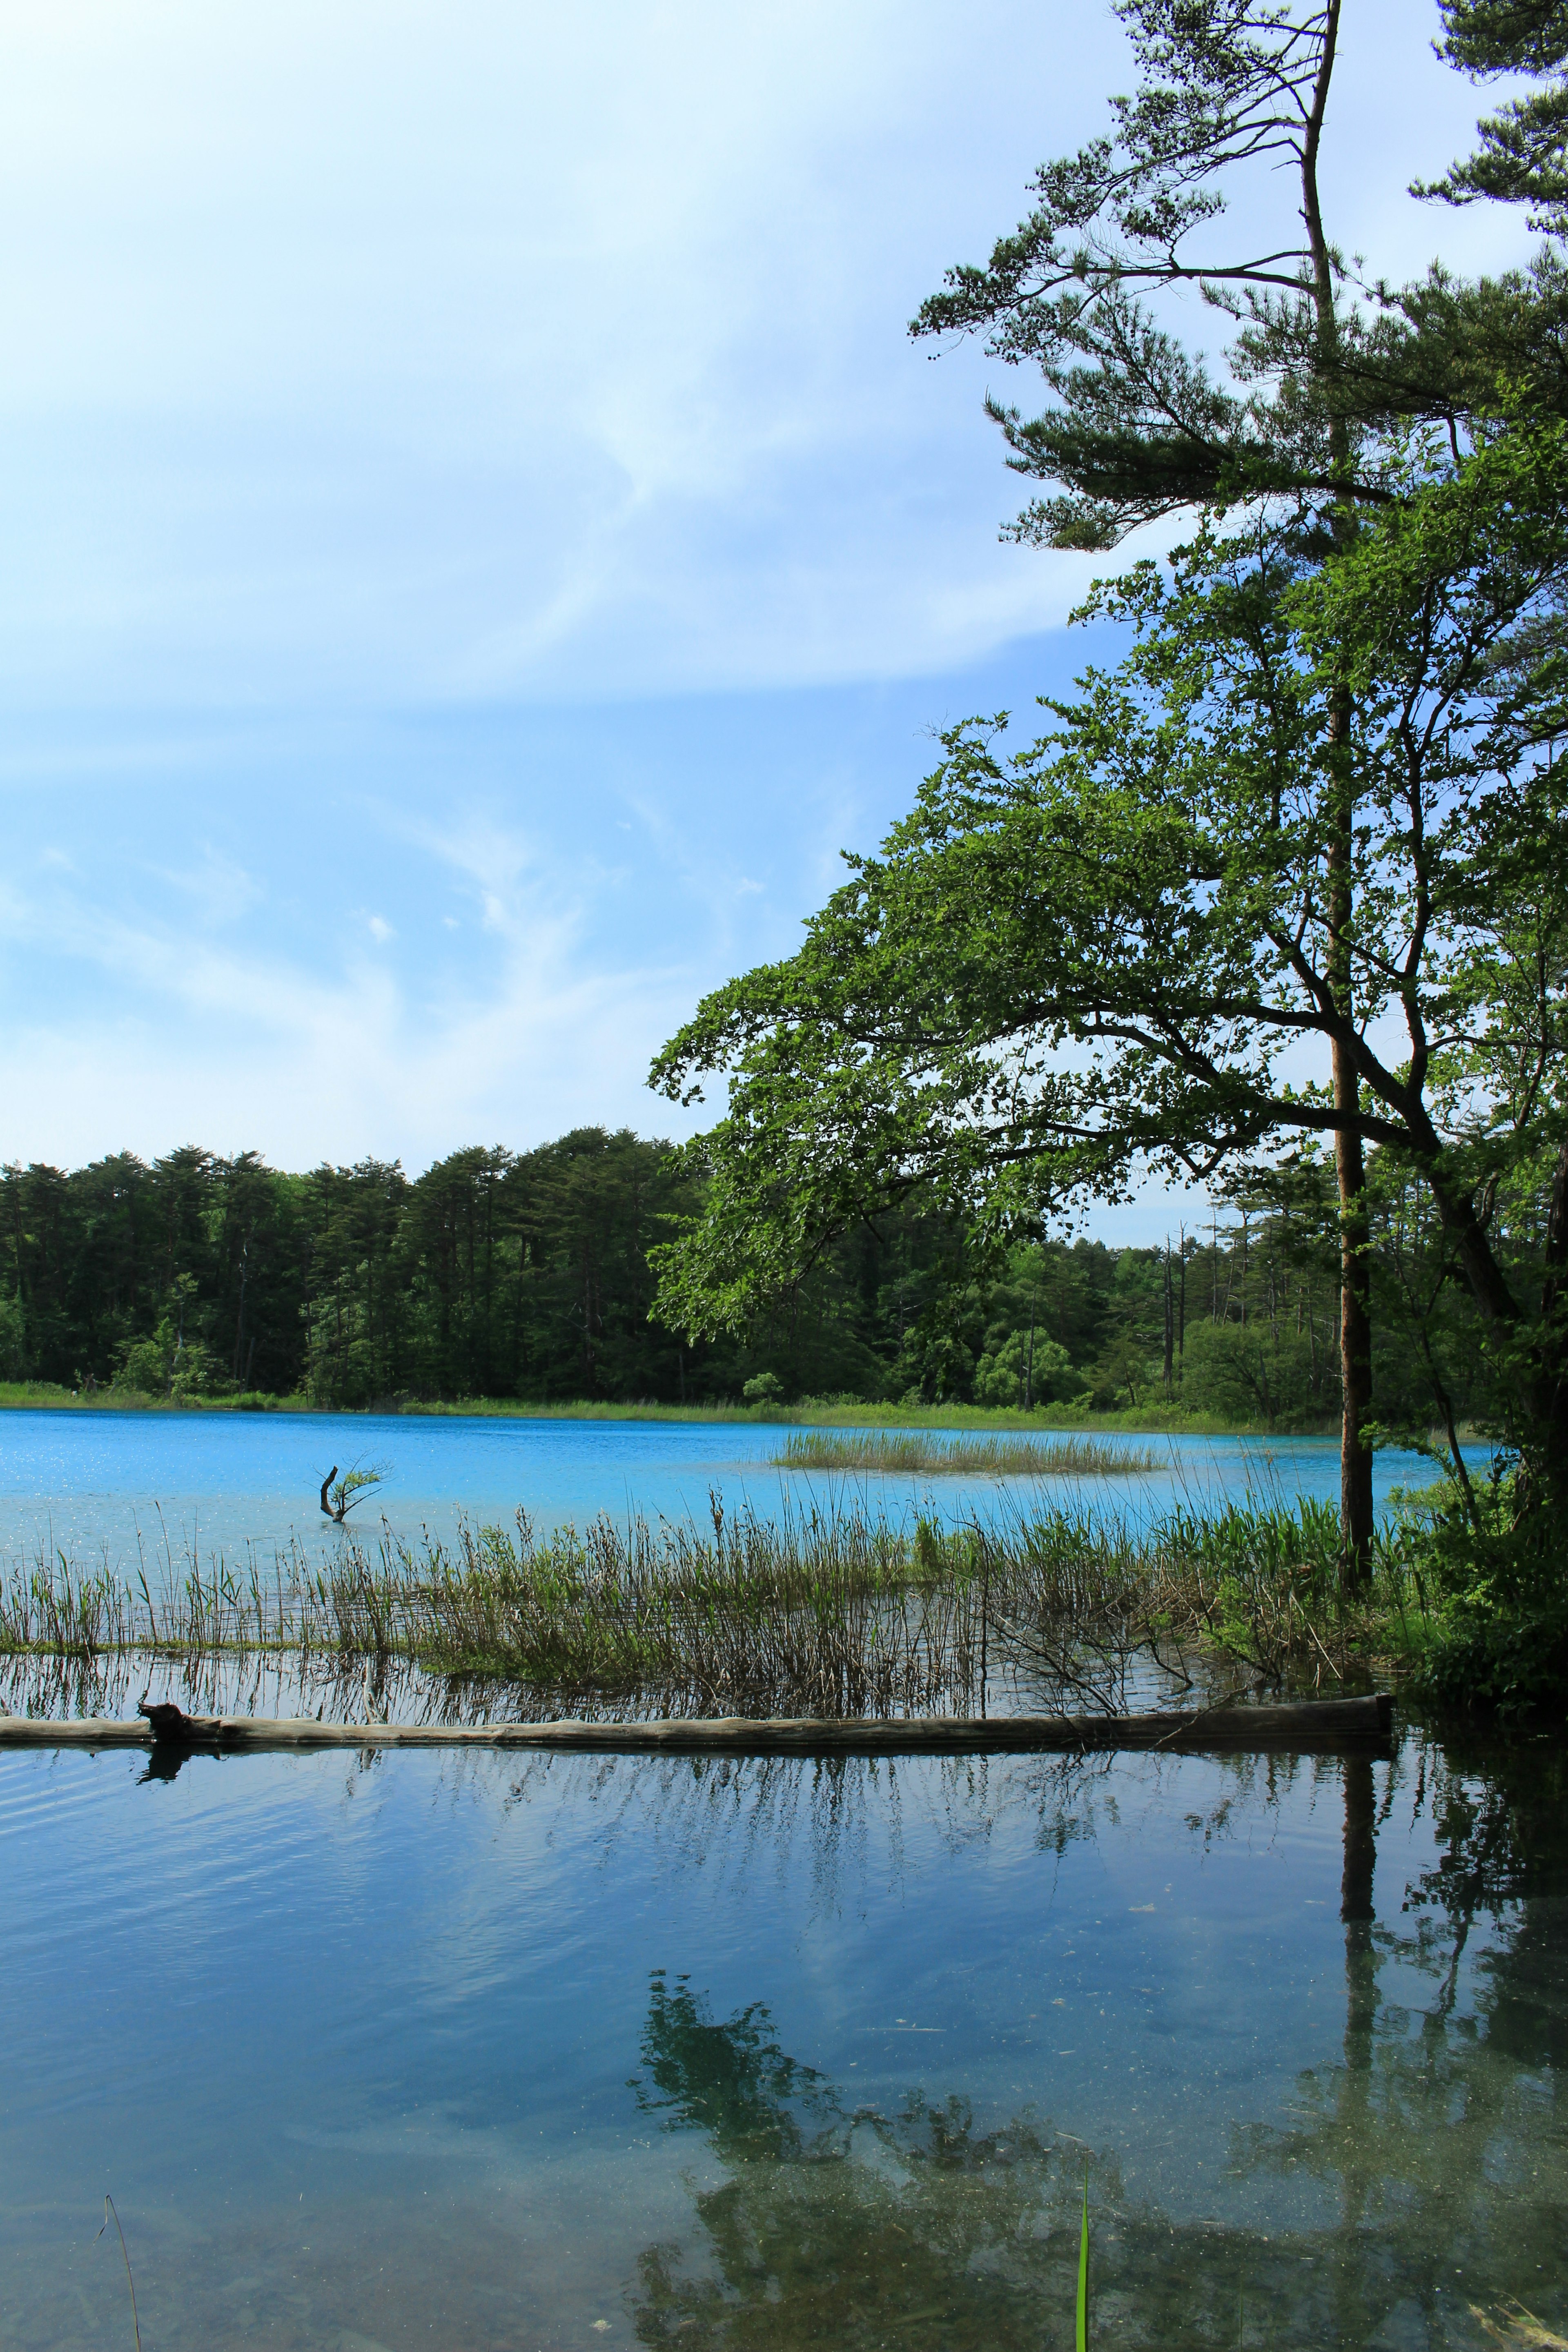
<point>489,2053</point>
<point>100,1484</point>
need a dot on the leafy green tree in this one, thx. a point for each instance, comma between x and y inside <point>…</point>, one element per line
<point>1252,1371</point>
<point>171,1363</point>
<point>1103,952</point>
<point>1023,1367</point>
<point>1303,427</point>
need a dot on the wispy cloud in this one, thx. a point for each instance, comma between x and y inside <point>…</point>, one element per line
<point>322,1061</point>
<point>547,352</point>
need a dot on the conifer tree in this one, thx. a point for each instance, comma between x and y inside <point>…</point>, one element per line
<point>1320,383</point>
<point>1138,427</point>
<point>918,1037</point>
<point>1523,155</point>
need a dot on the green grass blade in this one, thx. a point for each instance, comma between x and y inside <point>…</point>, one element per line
<point>1082,2339</point>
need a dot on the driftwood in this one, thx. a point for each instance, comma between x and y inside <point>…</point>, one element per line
<point>1304,1726</point>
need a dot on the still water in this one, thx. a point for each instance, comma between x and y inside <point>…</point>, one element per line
<point>422,2051</point>
<point>123,1485</point>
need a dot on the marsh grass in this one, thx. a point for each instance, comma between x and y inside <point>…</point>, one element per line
<point>826,1610</point>
<point>913,1452</point>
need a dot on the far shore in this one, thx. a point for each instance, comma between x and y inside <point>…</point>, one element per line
<point>829,1413</point>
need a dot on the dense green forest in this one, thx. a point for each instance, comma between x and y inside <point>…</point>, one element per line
<point>526,1275</point>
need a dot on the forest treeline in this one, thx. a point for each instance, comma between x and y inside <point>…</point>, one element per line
<point>526,1275</point>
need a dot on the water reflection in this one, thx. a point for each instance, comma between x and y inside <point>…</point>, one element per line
<point>1436,2137</point>
<point>484,2052</point>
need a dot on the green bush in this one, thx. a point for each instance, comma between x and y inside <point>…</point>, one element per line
<point>1249,1371</point>
<point>166,1366</point>
<point>1493,1561</point>
<point>1001,1373</point>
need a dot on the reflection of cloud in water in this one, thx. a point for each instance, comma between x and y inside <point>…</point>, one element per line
<point>751,1819</point>
<point>760,2188</point>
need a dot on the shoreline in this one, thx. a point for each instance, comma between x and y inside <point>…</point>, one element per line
<point>820,1412</point>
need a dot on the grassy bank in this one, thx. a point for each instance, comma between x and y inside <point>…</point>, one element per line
<point>832,1611</point>
<point>851,1412</point>
<point>18,1396</point>
<point>826,1412</point>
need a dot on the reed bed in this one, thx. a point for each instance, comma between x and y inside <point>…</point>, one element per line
<point>918,1451</point>
<point>828,1610</point>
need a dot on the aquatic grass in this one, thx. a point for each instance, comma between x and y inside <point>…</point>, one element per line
<point>827,1612</point>
<point>912,1451</point>
<point>827,1609</point>
<point>111,2215</point>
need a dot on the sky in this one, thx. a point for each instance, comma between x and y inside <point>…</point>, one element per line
<point>477,541</point>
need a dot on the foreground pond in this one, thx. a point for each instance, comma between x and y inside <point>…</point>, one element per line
<point>502,2053</point>
<point>90,1482</point>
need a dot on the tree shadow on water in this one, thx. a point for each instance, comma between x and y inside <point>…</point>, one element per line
<point>839,2225</point>
<point>1409,2196</point>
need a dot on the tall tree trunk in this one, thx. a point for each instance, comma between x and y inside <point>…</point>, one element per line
<point>1356,1520</point>
<point>1356,1515</point>
<point>1550,1398</point>
<point>1182,1314</point>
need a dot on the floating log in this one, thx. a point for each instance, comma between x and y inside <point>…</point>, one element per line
<point>1305,1726</point>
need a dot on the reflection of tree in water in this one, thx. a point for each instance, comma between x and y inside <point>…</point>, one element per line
<point>838,1819</point>
<point>1422,2176</point>
<point>837,2225</point>
<point>1440,2130</point>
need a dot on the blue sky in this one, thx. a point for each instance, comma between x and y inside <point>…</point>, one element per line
<point>477,540</point>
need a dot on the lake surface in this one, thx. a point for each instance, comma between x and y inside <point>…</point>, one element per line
<point>116,1485</point>
<point>488,2052</point>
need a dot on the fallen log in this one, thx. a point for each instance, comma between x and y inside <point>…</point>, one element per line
<point>1304,1726</point>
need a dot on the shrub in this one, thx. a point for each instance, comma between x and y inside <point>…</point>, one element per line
<point>1001,1373</point>
<point>1493,1561</point>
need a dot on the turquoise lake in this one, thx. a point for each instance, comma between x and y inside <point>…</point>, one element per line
<point>408,2051</point>
<point>499,2054</point>
<point>98,1484</point>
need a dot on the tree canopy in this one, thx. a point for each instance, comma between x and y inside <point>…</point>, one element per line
<point>1295,817</point>
<point>1522,158</point>
<point>1103,952</point>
